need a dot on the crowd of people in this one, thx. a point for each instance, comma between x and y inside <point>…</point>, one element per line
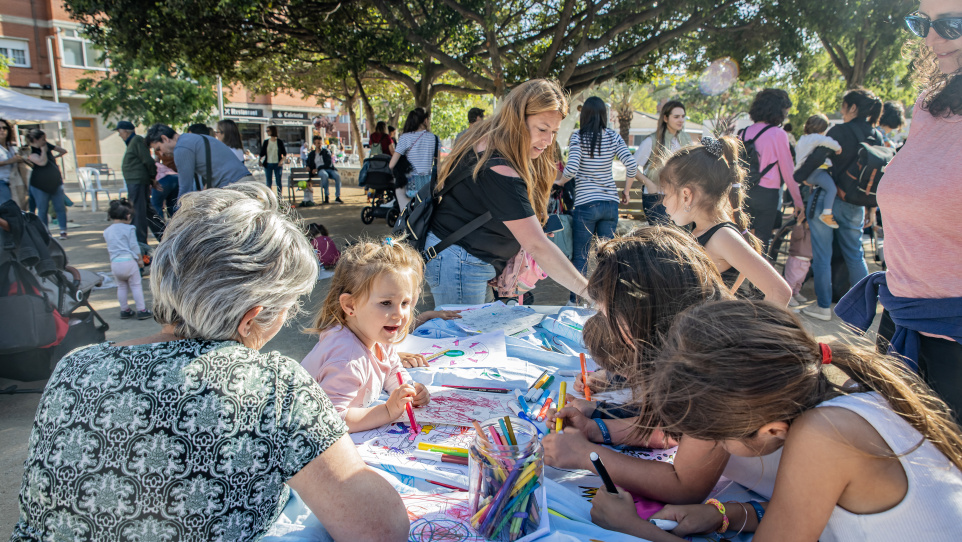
<point>861,441</point>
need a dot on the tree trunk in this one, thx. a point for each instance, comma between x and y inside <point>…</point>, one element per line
<point>368,110</point>
<point>625,116</point>
<point>355,127</point>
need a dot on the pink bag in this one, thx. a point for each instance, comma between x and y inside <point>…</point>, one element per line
<point>800,245</point>
<point>326,251</point>
<point>520,275</point>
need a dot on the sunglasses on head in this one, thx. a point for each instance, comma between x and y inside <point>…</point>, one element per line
<point>949,28</point>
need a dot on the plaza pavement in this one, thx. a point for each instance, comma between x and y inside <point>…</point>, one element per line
<point>86,250</point>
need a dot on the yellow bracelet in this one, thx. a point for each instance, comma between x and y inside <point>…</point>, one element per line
<point>721,509</point>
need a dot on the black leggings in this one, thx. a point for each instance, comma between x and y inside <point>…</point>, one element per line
<point>763,206</point>
<point>940,363</point>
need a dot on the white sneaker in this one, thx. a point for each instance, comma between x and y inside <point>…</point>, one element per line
<point>793,302</point>
<point>800,298</point>
<point>818,313</point>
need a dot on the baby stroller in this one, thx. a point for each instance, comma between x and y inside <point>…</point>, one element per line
<point>379,182</point>
<point>35,265</point>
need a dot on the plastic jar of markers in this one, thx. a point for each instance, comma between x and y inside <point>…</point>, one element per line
<point>507,470</point>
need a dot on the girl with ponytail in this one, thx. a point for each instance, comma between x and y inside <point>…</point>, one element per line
<point>703,185</point>
<point>877,458</point>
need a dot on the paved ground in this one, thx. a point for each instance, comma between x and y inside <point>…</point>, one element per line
<point>86,250</point>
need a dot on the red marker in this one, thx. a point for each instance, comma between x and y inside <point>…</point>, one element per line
<point>544,409</point>
<point>414,424</point>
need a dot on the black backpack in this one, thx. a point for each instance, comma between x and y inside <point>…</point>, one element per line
<point>415,220</point>
<point>858,181</point>
<point>751,160</point>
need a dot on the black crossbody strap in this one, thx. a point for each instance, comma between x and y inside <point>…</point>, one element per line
<point>431,252</point>
<point>210,175</point>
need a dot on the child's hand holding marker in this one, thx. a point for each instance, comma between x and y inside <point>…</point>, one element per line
<point>568,449</point>
<point>422,395</point>
<point>412,360</point>
<point>400,397</point>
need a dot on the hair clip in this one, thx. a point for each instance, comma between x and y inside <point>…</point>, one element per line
<point>712,145</point>
<point>736,185</point>
<point>826,353</point>
<point>388,241</point>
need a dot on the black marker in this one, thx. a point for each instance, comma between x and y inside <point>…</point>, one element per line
<point>603,472</point>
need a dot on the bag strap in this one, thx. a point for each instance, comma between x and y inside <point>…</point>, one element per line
<point>210,175</point>
<point>432,252</point>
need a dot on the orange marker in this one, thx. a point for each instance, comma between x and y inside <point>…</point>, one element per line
<point>584,378</point>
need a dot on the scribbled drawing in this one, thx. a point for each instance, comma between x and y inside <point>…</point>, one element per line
<point>462,407</point>
<point>478,351</point>
<point>440,518</point>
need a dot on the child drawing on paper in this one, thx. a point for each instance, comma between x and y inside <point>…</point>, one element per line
<point>366,312</point>
<point>641,282</point>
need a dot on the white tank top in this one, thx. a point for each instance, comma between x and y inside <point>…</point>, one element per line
<point>932,507</point>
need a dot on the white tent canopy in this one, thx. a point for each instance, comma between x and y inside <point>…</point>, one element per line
<point>20,107</point>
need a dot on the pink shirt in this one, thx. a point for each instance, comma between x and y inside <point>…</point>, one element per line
<point>351,374</point>
<point>773,147</point>
<point>919,197</point>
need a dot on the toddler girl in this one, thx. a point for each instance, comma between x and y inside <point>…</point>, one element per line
<point>877,458</point>
<point>815,128</point>
<point>324,246</point>
<point>125,259</point>
<point>640,283</point>
<point>366,312</point>
<point>703,186</point>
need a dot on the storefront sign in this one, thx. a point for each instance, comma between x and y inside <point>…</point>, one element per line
<point>291,115</point>
<point>242,112</point>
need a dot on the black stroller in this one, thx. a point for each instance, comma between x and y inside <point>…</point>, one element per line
<point>379,182</point>
<point>36,265</point>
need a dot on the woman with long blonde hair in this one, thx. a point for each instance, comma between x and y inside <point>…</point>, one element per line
<point>505,166</point>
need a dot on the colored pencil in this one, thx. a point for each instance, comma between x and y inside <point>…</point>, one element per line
<point>543,374</point>
<point>414,424</point>
<point>514,440</point>
<point>477,388</point>
<point>603,473</point>
<point>480,431</point>
<point>438,456</point>
<point>495,437</point>
<point>456,488</point>
<point>504,432</point>
<point>561,404</point>
<point>584,378</point>
<point>439,354</point>
<point>461,452</point>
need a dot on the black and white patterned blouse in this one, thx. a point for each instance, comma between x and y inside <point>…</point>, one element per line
<point>184,440</point>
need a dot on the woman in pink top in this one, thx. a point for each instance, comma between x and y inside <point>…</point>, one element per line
<point>769,110</point>
<point>920,201</point>
<point>367,310</point>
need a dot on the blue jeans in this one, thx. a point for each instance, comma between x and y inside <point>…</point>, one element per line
<point>325,175</point>
<point>43,201</point>
<point>456,277</point>
<point>593,219</point>
<point>167,196</point>
<point>823,180</point>
<point>849,218</point>
<point>5,193</point>
<point>275,171</point>
<point>415,183</point>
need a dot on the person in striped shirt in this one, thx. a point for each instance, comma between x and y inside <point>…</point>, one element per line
<point>590,154</point>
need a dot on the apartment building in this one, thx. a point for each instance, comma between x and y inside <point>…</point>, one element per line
<point>48,55</point>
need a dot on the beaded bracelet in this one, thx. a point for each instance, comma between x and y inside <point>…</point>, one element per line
<point>721,509</point>
<point>605,434</point>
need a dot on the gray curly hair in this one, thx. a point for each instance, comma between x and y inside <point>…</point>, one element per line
<point>225,252</point>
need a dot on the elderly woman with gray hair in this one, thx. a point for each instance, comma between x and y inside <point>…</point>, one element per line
<point>192,433</point>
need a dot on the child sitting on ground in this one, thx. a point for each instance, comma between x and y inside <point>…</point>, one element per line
<point>815,128</point>
<point>703,184</point>
<point>640,283</point>
<point>877,458</point>
<point>324,247</point>
<point>125,258</point>
<point>368,310</point>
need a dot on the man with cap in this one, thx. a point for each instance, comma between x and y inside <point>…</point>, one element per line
<point>140,173</point>
<point>474,115</point>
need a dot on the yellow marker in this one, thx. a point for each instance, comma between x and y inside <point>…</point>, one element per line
<point>561,404</point>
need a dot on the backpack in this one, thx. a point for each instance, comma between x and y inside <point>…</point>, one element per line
<point>750,158</point>
<point>857,183</point>
<point>519,276</point>
<point>415,219</point>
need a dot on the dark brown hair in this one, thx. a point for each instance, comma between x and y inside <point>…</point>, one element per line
<point>727,368</point>
<point>272,131</point>
<point>769,106</point>
<point>943,91</point>
<point>642,281</point>
<point>816,124</point>
<point>663,126</point>
<point>230,134</point>
<point>9,140</point>
<point>712,180</point>
<point>867,105</point>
